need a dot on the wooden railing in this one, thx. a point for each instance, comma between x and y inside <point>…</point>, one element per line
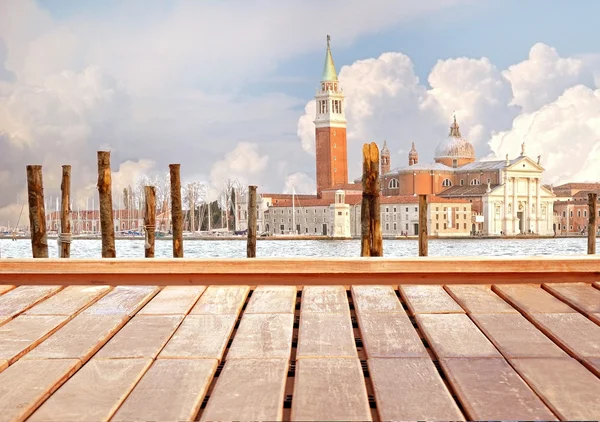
<point>302,271</point>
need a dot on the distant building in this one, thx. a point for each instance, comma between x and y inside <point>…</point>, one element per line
<point>571,207</point>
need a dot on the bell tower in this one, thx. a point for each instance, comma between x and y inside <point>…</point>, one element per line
<point>330,129</point>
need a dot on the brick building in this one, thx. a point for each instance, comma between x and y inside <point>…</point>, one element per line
<point>571,208</point>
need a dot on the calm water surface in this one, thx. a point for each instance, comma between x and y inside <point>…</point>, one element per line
<point>307,248</point>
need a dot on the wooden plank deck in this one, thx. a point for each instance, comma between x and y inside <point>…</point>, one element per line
<point>347,351</point>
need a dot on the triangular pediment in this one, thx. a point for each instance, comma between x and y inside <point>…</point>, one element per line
<point>525,164</point>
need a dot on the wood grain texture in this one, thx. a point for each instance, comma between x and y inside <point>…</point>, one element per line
<point>173,300</point>
<point>248,389</point>
<point>94,393</point>
<point>569,389</point>
<point>3,364</point>
<point>455,336</point>
<point>171,390</point>
<point>149,220</point>
<point>80,338</point>
<point>325,335</point>
<point>24,297</point>
<point>65,210</point>
<point>516,337</point>
<point>593,364</point>
<point>479,299</point>
<point>263,336</point>
<point>27,383</point>
<point>531,298</point>
<point>122,300</point>
<point>330,389</point>
<point>252,214</point>
<point>489,389</point>
<point>272,300</point>
<point>375,299</point>
<point>573,332</point>
<point>23,333</point>
<point>580,296</point>
<point>200,336</point>
<point>104,186</point>
<point>37,212</point>
<point>324,299</point>
<point>144,336</point>
<point>411,389</point>
<point>429,300</point>
<point>221,300</point>
<point>4,289</point>
<point>68,301</point>
<point>389,335</point>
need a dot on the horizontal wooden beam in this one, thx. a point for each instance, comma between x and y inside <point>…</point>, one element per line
<point>302,271</point>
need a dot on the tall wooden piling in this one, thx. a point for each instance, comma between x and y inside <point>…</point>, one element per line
<point>423,236</point>
<point>371,236</point>
<point>176,212</point>
<point>592,222</point>
<point>107,226</point>
<point>251,244</point>
<point>37,212</point>
<point>65,213</point>
<point>149,220</point>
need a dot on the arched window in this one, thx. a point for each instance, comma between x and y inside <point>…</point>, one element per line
<point>447,183</point>
<point>475,182</point>
<point>394,184</point>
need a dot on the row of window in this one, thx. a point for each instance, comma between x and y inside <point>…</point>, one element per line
<point>564,213</point>
<point>336,106</point>
<point>394,184</point>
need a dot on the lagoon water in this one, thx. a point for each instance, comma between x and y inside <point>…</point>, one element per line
<point>81,248</point>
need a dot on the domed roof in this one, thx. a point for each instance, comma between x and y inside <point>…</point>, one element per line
<point>454,146</point>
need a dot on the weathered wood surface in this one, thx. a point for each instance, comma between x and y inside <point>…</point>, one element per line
<point>592,222</point>
<point>173,300</point>
<point>252,214</point>
<point>325,335</point>
<point>176,210</point>
<point>529,298</point>
<point>65,212</point>
<point>325,299</point>
<point>263,336</point>
<point>376,299</point>
<point>581,296</point>
<point>122,300</point>
<point>107,226</point>
<point>4,289</point>
<point>423,236</point>
<point>24,297</point>
<point>221,300</point>
<point>248,389</point>
<point>303,271</point>
<point>37,212</point>
<point>481,299</point>
<point>149,220</point>
<point>371,235</point>
<point>69,301</point>
<point>429,300</point>
<point>272,300</point>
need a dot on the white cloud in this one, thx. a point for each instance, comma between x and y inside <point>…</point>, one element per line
<point>300,183</point>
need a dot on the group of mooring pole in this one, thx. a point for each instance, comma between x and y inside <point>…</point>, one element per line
<point>371,233</point>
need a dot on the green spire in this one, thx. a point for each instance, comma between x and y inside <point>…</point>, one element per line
<point>329,73</point>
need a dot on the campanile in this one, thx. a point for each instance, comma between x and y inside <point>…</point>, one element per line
<point>330,129</point>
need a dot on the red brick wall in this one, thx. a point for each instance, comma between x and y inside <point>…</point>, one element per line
<point>331,157</point>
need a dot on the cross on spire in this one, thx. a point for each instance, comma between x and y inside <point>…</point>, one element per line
<point>328,41</point>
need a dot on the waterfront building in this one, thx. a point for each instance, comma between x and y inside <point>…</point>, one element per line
<point>571,207</point>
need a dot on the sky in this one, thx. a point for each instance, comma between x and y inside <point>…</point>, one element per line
<point>225,88</point>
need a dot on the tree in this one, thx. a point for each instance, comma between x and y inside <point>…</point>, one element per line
<point>193,195</point>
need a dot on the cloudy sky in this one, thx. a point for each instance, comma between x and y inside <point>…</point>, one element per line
<point>225,87</point>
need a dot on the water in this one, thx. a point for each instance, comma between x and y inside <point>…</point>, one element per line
<point>81,248</point>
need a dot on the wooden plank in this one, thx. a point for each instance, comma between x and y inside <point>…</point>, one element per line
<point>531,298</point>
<point>479,299</point>
<point>221,300</point>
<point>570,390</point>
<point>580,296</point>
<point>80,338</point>
<point>4,289</point>
<point>27,383</point>
<point>330,389</point>
<point>248,389</point>
<point>324,299</point>
<point>24,297</point>
<point>595,318</point>
<point>122,300</point>
<point>579,336</point>
<point>263,336</point>
<point>375,299</point>
<point>516,337</point>
<point>428,300</point>
<point>3,364</point>
<point>94,393</point>
<point>200,336</point>
<point>272,300</point>
<point>593,364</point>
<point>489,389</point>
<point>25,332</point>
<point>173,300</point>
<point>389,335</point>
<point>142,337</point>
<point>68,301</point>
<point>454,336</point>
<point>325,335</point>
<point>411,389</point>
<point>171,390</point>
<point>597,284</point>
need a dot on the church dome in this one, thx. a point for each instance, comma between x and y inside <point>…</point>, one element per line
<point>454,146</point>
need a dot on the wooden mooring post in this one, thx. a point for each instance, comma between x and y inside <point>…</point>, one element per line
<point>149,220</point>
<point>592,222</point>
<point>107,226</point>
<point>64,238</point>
<point>371,236</point>
<point>251,244</point>
<point>423,236</point>
<point>37,212</point>
<point>176,213</point>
